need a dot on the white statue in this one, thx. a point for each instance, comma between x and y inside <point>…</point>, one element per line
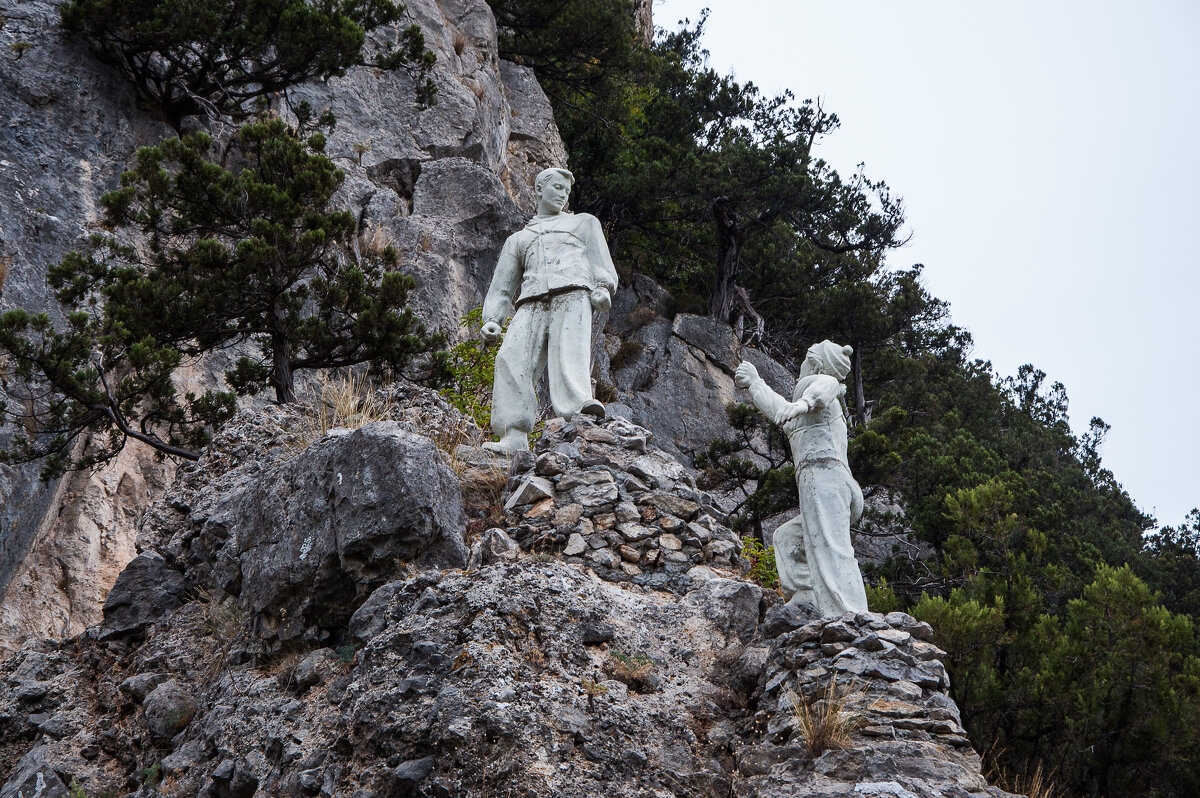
<point>561,266</point>
<point>813,552</point>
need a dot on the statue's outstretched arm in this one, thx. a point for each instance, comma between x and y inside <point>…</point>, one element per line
<point>773,406</point>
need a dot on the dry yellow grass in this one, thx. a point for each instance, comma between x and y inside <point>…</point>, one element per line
<point>342,402</point>
<point>825,721</point>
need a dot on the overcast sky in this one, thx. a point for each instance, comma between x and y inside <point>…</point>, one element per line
<point>1047,153</point>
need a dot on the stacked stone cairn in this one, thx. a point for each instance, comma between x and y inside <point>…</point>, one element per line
<point>603,496</point>
<point>881,671</point>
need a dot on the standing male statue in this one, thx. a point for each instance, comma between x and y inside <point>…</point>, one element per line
<point>560,264</point>
<point>813,552</point>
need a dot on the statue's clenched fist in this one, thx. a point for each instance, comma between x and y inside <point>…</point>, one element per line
<point>745,374</point>
<point>601,299</point>
<point>491,332</point>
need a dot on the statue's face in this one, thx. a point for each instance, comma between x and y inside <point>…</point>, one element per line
<point>553,196</point>
<point>811,364</point>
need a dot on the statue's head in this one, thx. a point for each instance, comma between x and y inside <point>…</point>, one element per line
<point>553,187</point>
<point>827,358</point>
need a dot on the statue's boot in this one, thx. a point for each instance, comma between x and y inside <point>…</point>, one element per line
<point>593,408</point>
<point>514,440</point>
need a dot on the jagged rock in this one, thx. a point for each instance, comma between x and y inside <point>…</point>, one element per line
<point>495,546</point>
<point>34,775</point>
<point>304,543</point>
<point>146,590</point>
<point>731,604</point>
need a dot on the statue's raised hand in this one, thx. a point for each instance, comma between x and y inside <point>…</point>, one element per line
<point>745,374</point>
<point>491,332</point>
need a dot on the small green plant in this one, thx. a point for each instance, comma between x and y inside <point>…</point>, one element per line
<point>882,598</point>
<point>360,150</point>
<point>20,48</point>
<point>633,670</point>
<point>152,775</point>
<point>592,689</point>
<point>470,369</point>
<point>345,654</point>
<point>75,790</point>
<point>762,562</point>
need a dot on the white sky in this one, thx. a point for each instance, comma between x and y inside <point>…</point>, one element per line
<point>1047,153</point>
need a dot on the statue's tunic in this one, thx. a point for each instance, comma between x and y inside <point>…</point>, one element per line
<point>555,262</point>
<point>814,554</point>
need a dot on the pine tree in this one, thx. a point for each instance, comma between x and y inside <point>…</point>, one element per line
<point>220,56</point>
<point>227,257</point>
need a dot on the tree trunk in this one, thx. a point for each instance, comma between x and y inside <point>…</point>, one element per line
<point>729,250</point>
<point>281,361</point>
<point>861,411</point>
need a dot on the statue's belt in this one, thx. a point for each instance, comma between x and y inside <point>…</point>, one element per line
<point>810,461</point>
<point>553,292</point>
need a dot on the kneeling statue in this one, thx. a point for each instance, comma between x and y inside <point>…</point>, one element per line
<point>813,551</point>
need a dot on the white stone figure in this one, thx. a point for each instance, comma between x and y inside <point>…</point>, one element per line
<point>559,271</point>
<point>813,552</point>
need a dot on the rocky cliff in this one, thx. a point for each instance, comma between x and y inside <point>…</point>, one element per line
<point>444,185</point>
<point>309,618</point>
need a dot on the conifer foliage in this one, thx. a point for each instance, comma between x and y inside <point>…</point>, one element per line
<point>218,56</point>
<point>225,256</point>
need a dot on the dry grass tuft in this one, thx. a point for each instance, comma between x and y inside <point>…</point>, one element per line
<point>5,265</point>
<point>343,402</point>
<point>460,43</point>
<point>641,316</point>
<point>633,670</point>
<point>223,619</point>
<point>825,722</point>
<point>1040,784</point>
<point>628,352</point>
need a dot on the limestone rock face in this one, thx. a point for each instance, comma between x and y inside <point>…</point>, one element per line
<point>444,185</point>
<point>676,374</point>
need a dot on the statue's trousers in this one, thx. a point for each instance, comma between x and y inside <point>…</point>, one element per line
<point>553,334</point>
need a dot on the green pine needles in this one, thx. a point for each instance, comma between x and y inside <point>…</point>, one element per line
<point>221,57</point>
<point>248,257</point>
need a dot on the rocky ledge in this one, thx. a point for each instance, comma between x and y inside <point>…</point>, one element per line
<point>323,620</point>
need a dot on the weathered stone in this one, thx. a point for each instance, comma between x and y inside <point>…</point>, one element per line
<point>672,504</point>
<point>492,547</point>
<point>168,709</point>
<point>34,775</point>
<point>669,542</point>
<point>312,535</point>
<point>568,515</point>
<point>139,686</point>
<point>531,489</point>
<point>634,532</point>
<point>576,545</point>
<point>730,603</point>
<point>145,591</point>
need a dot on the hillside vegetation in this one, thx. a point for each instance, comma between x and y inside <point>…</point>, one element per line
<point>1072,635</point>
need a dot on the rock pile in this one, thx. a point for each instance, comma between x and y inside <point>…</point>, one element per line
<point>605,497</point>
<point>881,678</point>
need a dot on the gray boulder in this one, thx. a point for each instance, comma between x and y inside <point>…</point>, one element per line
<point>145,591</point>
<point>168,709</point>
<point>308,539</point>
